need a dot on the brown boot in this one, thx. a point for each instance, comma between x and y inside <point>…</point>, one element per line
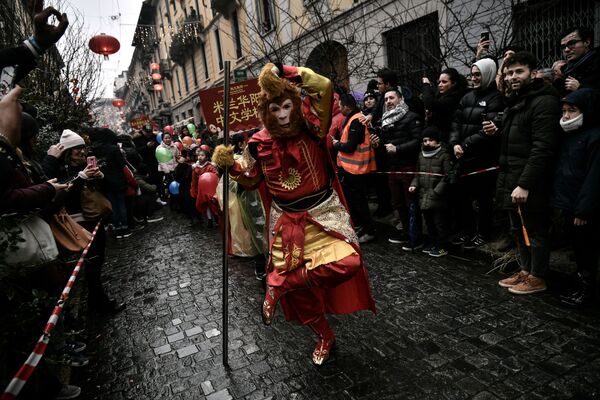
<point>325,342</point>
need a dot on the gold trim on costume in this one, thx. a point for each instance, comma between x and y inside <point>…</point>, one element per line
<point>292,181</point>
<point>309,161</point>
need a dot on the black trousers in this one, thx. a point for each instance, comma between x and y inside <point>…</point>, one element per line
<point>480,188</point>
<point>356,191</point>
<point>585,240</point>
<point>93,265</point>
<point>438,227</point>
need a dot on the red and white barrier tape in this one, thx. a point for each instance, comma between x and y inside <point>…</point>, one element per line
<point>435,174</point>
<point>16,384</point>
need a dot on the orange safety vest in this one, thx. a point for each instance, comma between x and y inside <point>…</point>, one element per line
<point>362,161</point>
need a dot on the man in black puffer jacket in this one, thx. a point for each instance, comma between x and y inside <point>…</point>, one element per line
<point>401,136</point>
<point>476,151</point>
<point>528,145</point>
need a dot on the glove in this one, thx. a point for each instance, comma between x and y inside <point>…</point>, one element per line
<point>223,156</point>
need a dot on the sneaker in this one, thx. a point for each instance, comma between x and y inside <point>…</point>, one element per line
<point>138,228</point>
<point>460,240</point>
<point>119,234</point>
<point>162,203</point>
<point>125,233</point>
<point>514,279</point>
<point>399,237</point>
<point>75,346</point>
<point>412,247</point>
<point>155,219</point>
<point>530,285</point>
<point>435,252</point>
<point>139,221</point>
<point>366,238</point>
<point>427,249</point>
<point>68,392</point>
<point>476,241</point>
<point>78,360</point>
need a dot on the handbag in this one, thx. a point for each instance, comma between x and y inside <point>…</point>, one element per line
<point>94,205</point>
<point>26,241</point>
<point>69,235</point>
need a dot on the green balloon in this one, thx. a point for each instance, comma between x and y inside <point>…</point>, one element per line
<point>163,155</point>
<point>191,129</point>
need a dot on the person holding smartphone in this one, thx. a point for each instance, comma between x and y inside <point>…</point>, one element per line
<point>17,62</point>
<point>474,151</point>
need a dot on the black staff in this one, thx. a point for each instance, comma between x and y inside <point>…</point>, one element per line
<point>226,219</point>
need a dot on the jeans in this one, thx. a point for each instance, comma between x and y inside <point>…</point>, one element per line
<point>119,209</point>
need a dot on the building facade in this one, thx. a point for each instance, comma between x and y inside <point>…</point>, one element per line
<point>347,40</point>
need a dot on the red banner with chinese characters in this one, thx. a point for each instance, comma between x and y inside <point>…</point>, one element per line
<point>243,100</point>
<point>139,122</point>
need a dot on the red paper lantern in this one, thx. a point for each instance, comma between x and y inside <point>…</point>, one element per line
<point>158,87</point>
<point>118,103</point>
<point>156,76</point>
<point>104,44</point>
<point>154,66</point>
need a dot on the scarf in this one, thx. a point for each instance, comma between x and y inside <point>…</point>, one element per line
<point>428,152</point>
<point>572,124</point>
<point>394,115</point>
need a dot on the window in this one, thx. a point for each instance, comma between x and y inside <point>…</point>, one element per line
<point>413,50</point>
<point>194,73</point>
<point>204,62</point>
<point>265,15</point>
<point>218,44</point>
<point>235,25</point>
<point>185,78</point>
<point>178,81</point>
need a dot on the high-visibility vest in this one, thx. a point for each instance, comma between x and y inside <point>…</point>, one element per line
<point>362,160</point>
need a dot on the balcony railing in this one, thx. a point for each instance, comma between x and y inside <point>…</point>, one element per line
<point>191,32</point>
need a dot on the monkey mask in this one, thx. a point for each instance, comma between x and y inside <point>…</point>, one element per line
<point>280,106</point>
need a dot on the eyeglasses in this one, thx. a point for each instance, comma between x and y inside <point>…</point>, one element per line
<point>570,44</point>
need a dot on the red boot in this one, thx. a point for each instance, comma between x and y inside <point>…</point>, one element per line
<point>325,342</point>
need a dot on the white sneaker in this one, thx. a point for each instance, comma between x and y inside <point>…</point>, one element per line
<point>155,219</point>
<point>162,203</point>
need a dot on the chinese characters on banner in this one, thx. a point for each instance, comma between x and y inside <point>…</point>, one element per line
<point>243,100</point>
<point>138,123</point>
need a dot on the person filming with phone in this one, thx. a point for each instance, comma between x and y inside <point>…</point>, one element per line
<point>474,150</point>
<point>69,162</point>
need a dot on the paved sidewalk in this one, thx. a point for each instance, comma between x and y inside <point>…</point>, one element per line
<point>444,330</point>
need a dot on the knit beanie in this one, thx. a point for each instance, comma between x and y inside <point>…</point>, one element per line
<point>70,139</point>
<point>431,132</point>
<point>488,69</point>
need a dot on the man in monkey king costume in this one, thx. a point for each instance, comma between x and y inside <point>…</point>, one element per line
<point>315,264</point>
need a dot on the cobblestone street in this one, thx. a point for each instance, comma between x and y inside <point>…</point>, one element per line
<point>444,329</point>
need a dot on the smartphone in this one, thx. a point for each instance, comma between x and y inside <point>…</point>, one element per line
<point>484,36</point>
<point>91,161</point>
<point>484,117</point>
<point>7,80</point>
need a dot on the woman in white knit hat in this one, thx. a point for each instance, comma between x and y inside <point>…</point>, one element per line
<point>66,161</point>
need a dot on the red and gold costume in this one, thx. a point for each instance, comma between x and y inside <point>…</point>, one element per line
<point>315,263</point>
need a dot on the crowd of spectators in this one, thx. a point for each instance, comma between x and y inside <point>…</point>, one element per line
<point>517,138</point>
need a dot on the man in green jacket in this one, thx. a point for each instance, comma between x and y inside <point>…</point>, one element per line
<point>528,145</point>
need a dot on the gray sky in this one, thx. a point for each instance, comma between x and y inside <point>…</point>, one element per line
<point>102,16</point>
